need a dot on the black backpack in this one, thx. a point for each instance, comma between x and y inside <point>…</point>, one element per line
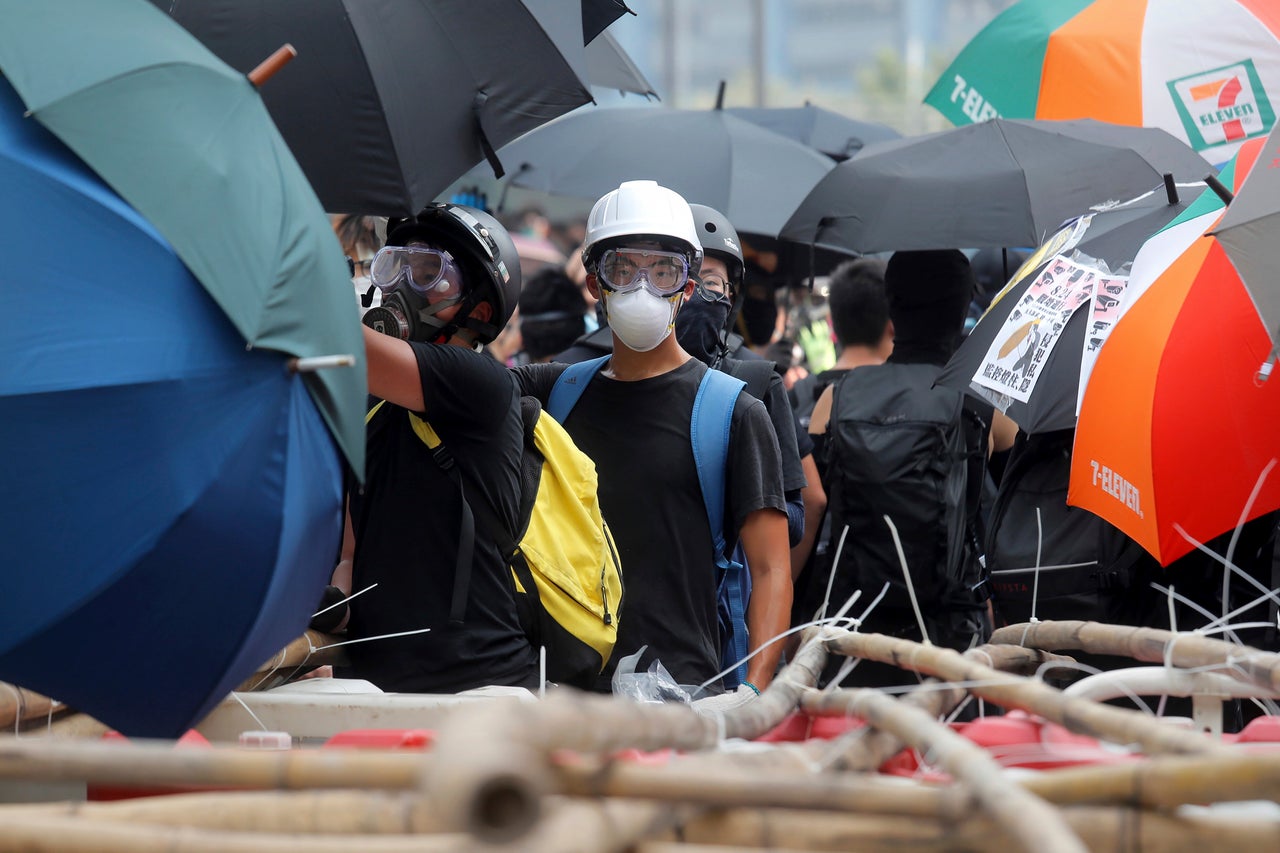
<point>899,447</point>
<point>1070,541</point>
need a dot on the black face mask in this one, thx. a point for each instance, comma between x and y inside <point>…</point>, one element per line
<point>757,320</point>
<point>404,315</point>
<point>700,328</point>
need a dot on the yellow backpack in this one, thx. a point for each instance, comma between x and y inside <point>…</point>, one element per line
<point>568,578</point>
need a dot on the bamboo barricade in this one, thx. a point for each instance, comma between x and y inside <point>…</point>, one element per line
<point>1081,716</point>
<point>312,649</point>
<point>1151,645</point>
<point>937,698</point>
<point>1027,819</point>
<point>19,706</point>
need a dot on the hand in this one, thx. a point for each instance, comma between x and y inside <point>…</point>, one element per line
<point>725,701</point>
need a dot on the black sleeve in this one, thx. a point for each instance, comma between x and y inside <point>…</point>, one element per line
<point>785,429</point>
<point>536,380</point>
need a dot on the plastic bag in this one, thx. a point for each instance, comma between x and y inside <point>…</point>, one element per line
<point>654,686</point>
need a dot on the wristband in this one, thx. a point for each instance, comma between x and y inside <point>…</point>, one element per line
<point>754,689</point>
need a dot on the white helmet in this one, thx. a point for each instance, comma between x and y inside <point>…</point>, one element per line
<point>641,209</point>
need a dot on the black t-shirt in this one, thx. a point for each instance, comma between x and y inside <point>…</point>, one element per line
<point>407,522</point>
<point>638,435</point>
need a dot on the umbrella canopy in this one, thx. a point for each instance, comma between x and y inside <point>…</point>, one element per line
<point>172,502</point>
<point>998,183</point>
<point>186,141</point>
<point>609,67</point>
<point>753,176</point>
<point>1107,239</point>
<point>1177,425</point>
<point>832,133</point>
<point>1249,231</point>
<point>389,103</point>
<point>1200,69</point>
<point>597,15</point>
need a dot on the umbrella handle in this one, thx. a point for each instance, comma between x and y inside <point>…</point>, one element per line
<point>273,63</point>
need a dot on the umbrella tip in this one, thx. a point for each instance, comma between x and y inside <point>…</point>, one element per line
<point>1170,188</point>
<point>273,63</point>
<point>720,96</point>
<point>1219,188</point>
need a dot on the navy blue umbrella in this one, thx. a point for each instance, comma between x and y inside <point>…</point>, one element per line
<point>172,500</point>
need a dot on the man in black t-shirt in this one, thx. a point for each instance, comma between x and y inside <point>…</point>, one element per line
<point>633,421</point>
<point>450,278</point>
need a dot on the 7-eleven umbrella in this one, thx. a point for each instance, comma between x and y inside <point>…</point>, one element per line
<point>1200,69</point>
<point>1178,422</point>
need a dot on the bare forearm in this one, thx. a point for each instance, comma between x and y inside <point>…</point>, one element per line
<point>815,504</point>
<point>764,539</point>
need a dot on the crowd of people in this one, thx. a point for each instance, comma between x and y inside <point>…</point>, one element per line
<point>860,491</point>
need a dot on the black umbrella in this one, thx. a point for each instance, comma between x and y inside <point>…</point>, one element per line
<point>597,15</point>
<point>997,183</point>
<point>1112,236</point>
<point>834,134</point>
<point>389,103</point>
<point>753,176</point>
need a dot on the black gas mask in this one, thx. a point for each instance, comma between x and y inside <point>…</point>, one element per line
<point>417,282</point>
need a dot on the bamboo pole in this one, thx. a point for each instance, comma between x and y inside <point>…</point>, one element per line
<point>876,746</point>
<point>1165,782</point>
<point>1105,722</point>
<point>312,649</point>
<point>1103,830</point>
<point>159,764</point>
<point>1027,819</point>
<point>492,767</point>
<point>1152,645</point>
<point>61,835</point>
<point>19,706</point>
<point>330,812</point>
<point>702,780</point>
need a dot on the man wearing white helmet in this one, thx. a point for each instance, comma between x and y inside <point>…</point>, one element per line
<point>633,419</point>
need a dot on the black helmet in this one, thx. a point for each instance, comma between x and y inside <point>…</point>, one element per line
<point>484,248</point>
<point>719,240</point>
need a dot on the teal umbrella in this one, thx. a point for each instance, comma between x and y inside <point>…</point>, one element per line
<point>187,142</point>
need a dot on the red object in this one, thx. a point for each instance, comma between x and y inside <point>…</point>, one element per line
<point>800,726</point>
<point>419,739</point>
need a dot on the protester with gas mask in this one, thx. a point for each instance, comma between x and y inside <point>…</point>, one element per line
<point>633,418</point>
<point>703,328</point>
<point>449,279</point>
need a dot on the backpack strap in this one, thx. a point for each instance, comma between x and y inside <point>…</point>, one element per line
<point>467,533</point>
<point>709,429</point>
<point>569,386</point>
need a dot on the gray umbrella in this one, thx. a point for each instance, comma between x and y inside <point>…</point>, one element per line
<point>388,103</point>
<point>998,183</point>
<point>609,67</point>
<point>834,134</point>
<point>752,175</point>
<point>1249,229</point>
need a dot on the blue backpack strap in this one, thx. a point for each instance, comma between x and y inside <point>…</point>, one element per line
<point>709,430</point>
<point>570,385</point>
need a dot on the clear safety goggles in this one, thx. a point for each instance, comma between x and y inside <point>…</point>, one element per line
<point>661,273</point>
<point>433,273</point>
<point>714,287</point>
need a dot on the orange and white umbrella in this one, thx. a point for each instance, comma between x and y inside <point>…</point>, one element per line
<point>1204,70</point>
<point>1179,422</point>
